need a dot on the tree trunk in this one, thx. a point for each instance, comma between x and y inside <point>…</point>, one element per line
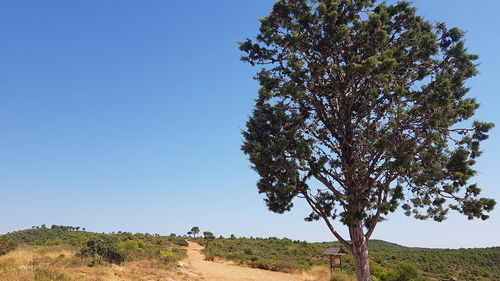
<point>360,253</point>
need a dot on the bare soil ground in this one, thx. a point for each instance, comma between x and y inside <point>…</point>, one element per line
<point>215,271</point>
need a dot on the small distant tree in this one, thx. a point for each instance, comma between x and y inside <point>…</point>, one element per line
<point>190,233</point>
<point>195,230</point>
<point>363,107</point>
<point>208,236</point>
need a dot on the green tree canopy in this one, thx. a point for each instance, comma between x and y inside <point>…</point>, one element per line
<point>363,108</point>
<point>209,236</point>
<point>195,230</point>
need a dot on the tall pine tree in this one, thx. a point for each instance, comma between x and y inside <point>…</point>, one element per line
<point>363,108</point>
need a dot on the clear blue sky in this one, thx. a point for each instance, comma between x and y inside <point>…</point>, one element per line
<point>126,115</point>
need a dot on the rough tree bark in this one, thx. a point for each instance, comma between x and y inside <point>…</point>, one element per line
<point>360,252</point>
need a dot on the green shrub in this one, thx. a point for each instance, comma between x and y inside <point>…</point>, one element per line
<point>167,256</point>
<point>96,260</point>
<point>273,265</point>
<point>6,245</point>
<point>128,248</point>
<point>408,272</point>
<point>179,241</point>
<point>403,272</point>
<point>376,270</point>
<point>104,246</point>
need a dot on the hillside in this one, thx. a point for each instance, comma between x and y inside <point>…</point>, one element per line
<point>289,255</point>
<point>63,253</point>
<point>285,255</point>
<point>56,235</point>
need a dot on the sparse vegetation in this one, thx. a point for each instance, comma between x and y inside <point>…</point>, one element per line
<point>389,261</point>
<point>54,263</point>
<point>65,253</point>
<point>52,254</point>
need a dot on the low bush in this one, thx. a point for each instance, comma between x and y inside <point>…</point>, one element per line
<point>103,246</point>
<point>179,241</point>
<point>403,272</point>
<point>6,245</point>
<point>272,265</point>
<point>171,255</point>
<point>96,260</point>
<point>167,256</point>
<point>128,249</point>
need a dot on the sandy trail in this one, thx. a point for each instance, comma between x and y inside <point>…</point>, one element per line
<point>213,271</point>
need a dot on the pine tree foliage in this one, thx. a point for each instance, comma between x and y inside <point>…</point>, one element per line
<point>370,101</point>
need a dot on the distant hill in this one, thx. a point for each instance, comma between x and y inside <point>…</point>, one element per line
<point>381,244</point>
<point>55,235</point>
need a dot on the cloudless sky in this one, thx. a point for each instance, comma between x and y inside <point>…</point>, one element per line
<point>126,115</point>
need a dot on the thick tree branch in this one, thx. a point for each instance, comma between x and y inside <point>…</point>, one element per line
<point>327,221</point>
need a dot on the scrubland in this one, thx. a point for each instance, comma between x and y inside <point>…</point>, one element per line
<point>66,253</point>
<point>389,261</point>
<point>58,254</point>
<point>51,263</point>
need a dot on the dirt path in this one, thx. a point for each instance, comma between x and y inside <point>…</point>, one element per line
<point>214,271</point>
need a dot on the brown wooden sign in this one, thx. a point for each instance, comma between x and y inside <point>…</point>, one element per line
<point>335,261</point>
<point>335,257</point>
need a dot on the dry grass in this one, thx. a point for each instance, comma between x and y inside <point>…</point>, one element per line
<point>59,264</point>
<point>322,273</point>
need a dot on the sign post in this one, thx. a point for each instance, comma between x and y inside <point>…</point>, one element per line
<point>335,255</point>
